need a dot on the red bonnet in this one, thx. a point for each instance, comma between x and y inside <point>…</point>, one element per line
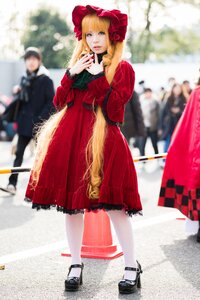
<point>118,21</point>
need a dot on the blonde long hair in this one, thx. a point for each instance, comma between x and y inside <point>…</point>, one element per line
<point>95,147</point>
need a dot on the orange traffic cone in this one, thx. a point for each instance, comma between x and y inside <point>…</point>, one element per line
<point>97,237</point>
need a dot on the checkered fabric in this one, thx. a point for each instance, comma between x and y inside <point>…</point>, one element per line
<point>180,197</point>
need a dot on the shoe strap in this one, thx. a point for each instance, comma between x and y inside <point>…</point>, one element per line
<point>132,269</point>
<point>76,266</point>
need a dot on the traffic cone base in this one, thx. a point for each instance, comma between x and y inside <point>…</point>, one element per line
<point>109,252</point>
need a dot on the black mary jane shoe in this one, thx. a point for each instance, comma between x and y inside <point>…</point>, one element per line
<point>73,283</point>
<point>127,286</point>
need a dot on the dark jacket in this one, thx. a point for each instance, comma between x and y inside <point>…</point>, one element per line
<point>169,119</point>
<point>38,106</point>
<point>133,120</point>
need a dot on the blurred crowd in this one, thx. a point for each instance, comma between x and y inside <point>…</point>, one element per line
<point>154,115</point>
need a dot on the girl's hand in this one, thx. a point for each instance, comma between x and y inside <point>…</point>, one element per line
<point>175,110</point>
<point>82,64</point>
<point>95,68</point>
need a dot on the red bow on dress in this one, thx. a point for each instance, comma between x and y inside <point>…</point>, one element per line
<point>118,21</point>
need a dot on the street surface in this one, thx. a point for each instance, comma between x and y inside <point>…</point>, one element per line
<point>31,244</point>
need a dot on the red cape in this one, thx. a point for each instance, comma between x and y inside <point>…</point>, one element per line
<point>180,186</point>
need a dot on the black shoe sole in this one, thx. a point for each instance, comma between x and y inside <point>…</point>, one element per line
<point>128,292</point>
<point>71,290</point>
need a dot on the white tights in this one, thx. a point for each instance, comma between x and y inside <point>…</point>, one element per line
<point>123,228</point>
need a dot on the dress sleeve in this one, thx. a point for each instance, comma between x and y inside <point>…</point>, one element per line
<point>112,98</point>
<point>60,98</point>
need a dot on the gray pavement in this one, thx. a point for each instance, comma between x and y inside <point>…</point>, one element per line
<point>32,242</point>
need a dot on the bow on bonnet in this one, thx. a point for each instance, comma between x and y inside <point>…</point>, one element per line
<point>118,21</point>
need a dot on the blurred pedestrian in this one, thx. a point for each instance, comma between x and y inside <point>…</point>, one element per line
<point>150,111</point>
<point>197,79</point>
<point>7,130</point>
<point>141,86</point>
<point>171,113</point>
<point>180,187</point>
<point>133,126</point>
<point>83,160</point>
<point>171,81</point>
<point>162,94</point>
<point>34,95</point>
<point>187,90</point>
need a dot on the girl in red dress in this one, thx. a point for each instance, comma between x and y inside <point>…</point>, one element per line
<point>180,187</point>
<point>83,161</point>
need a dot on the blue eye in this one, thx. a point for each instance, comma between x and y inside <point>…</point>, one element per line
<point>102,33</point>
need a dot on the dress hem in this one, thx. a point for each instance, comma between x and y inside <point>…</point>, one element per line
<point>96,208</point>
<point>181,197</point>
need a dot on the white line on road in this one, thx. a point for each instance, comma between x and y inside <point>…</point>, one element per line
<point>32,252</point>
<point>157,220</point>
<point>63,244</point>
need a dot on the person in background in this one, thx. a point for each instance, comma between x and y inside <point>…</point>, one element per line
<point>167,91</point>
<point>7,129</point>
<point>161,94</point>
<point>150,111</point>
<point>187,90</point>
<point>133,125</point>
<point>141,87</point>
<point>170,83</point>
<point>35,92</point>
<point>171,113</point>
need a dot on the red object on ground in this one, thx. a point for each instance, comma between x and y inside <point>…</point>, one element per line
<point>180,186</point>
<point>97,237</point>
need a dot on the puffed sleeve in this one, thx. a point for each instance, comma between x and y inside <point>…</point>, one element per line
<point>112,98</point>
<point>64,92</point>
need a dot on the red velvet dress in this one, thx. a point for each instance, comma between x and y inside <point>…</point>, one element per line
<point>180,186</point>
<point>61,182</point>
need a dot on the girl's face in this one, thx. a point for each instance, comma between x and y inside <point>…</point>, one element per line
<point>32,63</point>
<point>96,41</point>
<point>177,90</point>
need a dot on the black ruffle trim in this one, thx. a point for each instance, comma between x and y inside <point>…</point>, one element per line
<point>108,207</point>
<point>72,77</point>
<point>58,208</point>
<point>96,76</point>
<point>100,206</point>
